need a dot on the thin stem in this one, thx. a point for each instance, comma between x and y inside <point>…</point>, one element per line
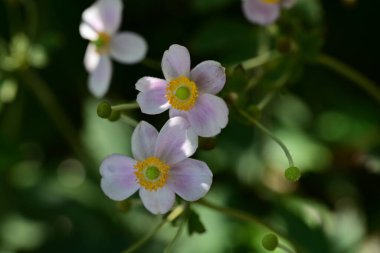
<point>241,216</point>
<point>266,100</point>
<point>285,248</point>
<point>177,235</point>
<point>172,216</point>
<point>278,85</point>
<point>146,238</point>
<point>125,106</point>
<point>266,131</point>
<point>256,61</point>
<point>234,213</point>
<point>130,121</point>
<point>362,81</point>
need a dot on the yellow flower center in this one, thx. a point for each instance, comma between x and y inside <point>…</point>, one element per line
<point>151,173</point>
<point>271,1</point>
<point>102,43</point>
<point>181,93</point>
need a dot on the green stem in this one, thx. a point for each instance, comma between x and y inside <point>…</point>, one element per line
<point>285,248</point>
<point>172,216</point>
<point>146,238</point>
<point>278,85</point>
<point>259,60</point>
<point>239,215</point>
<point>125,106</point>
<point>362,81</point>
<point>130,121</point>
<point>266,131</point>
<point>233,213</point>
<point>177,235</point>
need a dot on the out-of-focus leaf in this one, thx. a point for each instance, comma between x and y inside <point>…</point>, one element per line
<point>230,40</point>
<point>194,225</point>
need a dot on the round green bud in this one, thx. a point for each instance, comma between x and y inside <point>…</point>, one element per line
<point>115,115</point>
<point>104,110</point>
<point>152,173</point>
<point>293,174</point>
<point>270,242</point>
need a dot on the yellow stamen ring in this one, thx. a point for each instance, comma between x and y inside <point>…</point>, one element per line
<point>151,173</point>
<point>181,93</point>
<point>102,43</point>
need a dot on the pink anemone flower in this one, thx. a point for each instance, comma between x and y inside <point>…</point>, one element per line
<point>160,168</point>
<point>187,93</point>
<point>264,12</point>
<point>100,23</point>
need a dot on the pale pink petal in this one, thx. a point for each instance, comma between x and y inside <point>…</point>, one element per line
<point>100,78</point>
<point>176,62</point>
<point>128,47</point>
<point>91,16</point>
<point>190,179</point>
<point>104,15</point>
<point>176,141</point>
<point>144,140</point>
<point>208,116</point>
<point>118,178</point>
<point>209,76</point>
<point>152,98</point>
<point>158,202</point>
<point>148,83</point>
<point>178,113</point>
<point>91,58</point>
<point>288,3</point>
<point>87,32</point>
<point>259,12</point>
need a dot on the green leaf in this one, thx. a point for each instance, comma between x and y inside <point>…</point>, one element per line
<point>195,225</point>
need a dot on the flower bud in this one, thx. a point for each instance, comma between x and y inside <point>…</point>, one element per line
<point>104,110</point>
<point>293,174</point>
<point>270,242</point>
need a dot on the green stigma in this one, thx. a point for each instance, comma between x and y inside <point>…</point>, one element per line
<point>99,43</point>
<point>182,93</point>
<point>152,173</point>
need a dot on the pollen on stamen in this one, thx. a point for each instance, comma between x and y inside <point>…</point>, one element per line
<point>182,93</point>
<point>152,173</point>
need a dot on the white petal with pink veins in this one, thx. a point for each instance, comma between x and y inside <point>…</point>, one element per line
<point>128,47</point>
<point>176,62</point>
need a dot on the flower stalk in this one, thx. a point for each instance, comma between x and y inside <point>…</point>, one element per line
<point>266,131</point>
<point>126,106</point>
<point>178,211</point>
<point>348,72</point>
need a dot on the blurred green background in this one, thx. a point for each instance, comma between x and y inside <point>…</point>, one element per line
<point>50,199</point>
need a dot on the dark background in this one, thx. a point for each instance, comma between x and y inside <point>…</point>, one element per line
<point>50,199</point>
